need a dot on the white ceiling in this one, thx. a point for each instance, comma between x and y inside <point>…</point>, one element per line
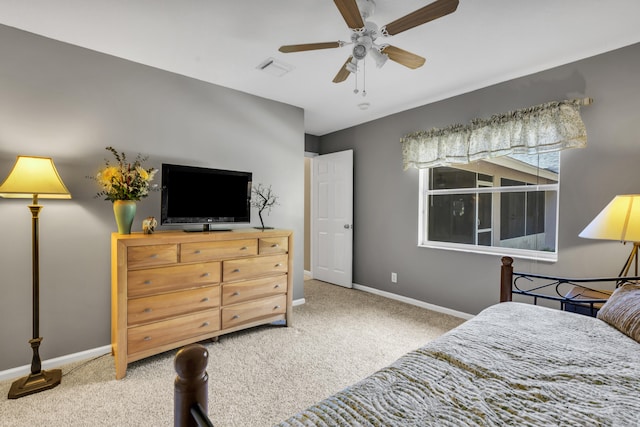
<point>223,41</point>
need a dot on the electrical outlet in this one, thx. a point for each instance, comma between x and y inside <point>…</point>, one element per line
<point>394,277</point>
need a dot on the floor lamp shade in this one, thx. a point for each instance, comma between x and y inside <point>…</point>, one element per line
<point>619,220</point>
<point>34,177</point>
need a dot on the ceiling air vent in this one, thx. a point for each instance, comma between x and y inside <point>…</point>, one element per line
<point>274,67</point>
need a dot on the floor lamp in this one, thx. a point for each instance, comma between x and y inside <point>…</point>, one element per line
<point>619,220</point>
<point>33,178</point>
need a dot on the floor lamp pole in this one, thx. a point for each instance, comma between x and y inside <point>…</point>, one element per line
<point>38,380</point>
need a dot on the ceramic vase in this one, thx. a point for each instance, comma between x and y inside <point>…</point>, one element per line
<point>124,211</point>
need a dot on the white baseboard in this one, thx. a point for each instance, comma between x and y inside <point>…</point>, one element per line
<point>21,371</point>
<point>299,301</point>
<point>415,302</point>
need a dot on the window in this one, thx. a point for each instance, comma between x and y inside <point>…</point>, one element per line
<point>489,205</point>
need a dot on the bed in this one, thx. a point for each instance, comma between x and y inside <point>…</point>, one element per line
<point>512,364</point>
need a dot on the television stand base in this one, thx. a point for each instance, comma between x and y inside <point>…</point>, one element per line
<point>205,228</point>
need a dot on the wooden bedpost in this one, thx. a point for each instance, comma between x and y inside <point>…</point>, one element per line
<point>191,385</point>
<point>506,278</point>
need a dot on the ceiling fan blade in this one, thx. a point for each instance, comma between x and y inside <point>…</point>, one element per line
<point>350,12</point>
<point>309,46</point>
<point>343,73</point>
<point>432,11</point>
<point>403,57</point>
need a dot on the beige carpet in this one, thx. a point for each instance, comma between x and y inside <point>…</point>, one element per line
<point>256,377</point>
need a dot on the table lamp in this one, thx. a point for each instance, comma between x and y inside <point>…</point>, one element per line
<point>33,178</point>
<point>619,220</point>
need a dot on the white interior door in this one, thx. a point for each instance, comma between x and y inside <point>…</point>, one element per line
<point>332,218</point>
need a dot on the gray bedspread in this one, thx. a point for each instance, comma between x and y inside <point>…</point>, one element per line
<point>513,364</point>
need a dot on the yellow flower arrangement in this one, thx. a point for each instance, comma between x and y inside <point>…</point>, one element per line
<point>125,181</point>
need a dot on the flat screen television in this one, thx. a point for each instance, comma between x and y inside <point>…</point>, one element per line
<point>197,195</point>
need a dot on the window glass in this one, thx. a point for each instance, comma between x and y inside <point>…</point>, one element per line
<point>494,205</point>
<point>444,177</point>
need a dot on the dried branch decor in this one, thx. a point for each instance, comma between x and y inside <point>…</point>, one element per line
<point>263,198</point>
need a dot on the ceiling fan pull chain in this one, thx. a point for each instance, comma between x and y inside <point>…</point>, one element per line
<point>364,78</point>
<point>355,91</point>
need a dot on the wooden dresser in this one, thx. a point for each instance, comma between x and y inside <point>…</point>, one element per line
<point>170,289</point>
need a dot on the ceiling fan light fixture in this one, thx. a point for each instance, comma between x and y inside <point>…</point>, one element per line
<point>378,57</point>
<point>363,44</point>
<point>359,51</point>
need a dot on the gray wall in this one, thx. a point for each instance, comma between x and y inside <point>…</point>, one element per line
<point>311,143</point>
<point>386,197</point>
<point>69,103</point>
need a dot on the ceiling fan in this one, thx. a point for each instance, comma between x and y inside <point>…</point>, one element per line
<point>364,34</point>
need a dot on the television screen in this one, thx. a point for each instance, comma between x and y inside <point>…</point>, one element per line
<point>196,195</point>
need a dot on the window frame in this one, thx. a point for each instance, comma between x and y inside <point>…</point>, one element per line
<point>423,212</point>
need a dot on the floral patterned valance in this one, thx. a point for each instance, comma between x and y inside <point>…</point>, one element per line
<point>544,128</point>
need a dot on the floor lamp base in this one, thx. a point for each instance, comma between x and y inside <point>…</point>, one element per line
<point>35,383</point>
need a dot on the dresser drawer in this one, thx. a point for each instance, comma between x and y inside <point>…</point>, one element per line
<point>158,307</point>
<point>147,256</point>
<point>156,334</point>
<point>167,279</point>
<point>238,269</point>
<point>253,310</point>
<point>273,245</point>
<point>206,251</point>
<point>233,293</point>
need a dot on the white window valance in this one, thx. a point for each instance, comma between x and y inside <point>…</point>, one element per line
<point>544,128</point>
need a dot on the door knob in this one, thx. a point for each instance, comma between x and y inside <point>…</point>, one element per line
<point>347,226</point>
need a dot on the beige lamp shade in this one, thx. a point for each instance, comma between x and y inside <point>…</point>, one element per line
<point>619,220</point>
<point>34,176</point>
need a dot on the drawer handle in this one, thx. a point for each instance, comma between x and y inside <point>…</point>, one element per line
<point>279,264</point>
<point>147,338</point>
<point>148,310</point>
<point>197,251</point>
<point>275,245</point>
<point>235,294</point>
<point>147,282</point>
<point>206,275</point>
<point>276,286</point>
<point>205,299</point>
<point>237,270</point>
<point>276,307</point>
<point>244,248</point>
<point>235,316</point>
<point>154,256</point>
<point>205,324</point>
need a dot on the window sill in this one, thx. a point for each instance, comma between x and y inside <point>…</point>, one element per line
<point>490,250</point>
